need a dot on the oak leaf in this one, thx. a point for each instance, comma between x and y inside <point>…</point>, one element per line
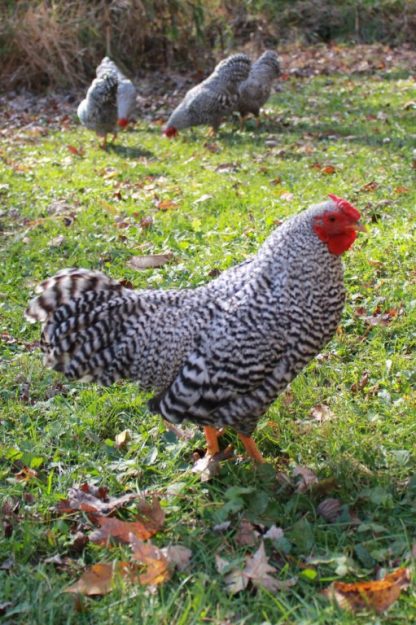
<point>377,595</point>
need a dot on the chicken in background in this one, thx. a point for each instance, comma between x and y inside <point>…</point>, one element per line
<point>213,99</point>
<point>109,102</point>
<point>254,92</point>
<point>218,354</point>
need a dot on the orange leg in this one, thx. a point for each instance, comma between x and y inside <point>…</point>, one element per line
<point>251,448</point>
<point>211,434</point>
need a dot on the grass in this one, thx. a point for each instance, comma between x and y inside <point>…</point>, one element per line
<point>97,203</point>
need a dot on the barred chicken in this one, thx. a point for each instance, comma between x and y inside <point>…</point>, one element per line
<point>218,354</point>
<point>213,99</point>
<point>109,102</point>
<point>255,90</point>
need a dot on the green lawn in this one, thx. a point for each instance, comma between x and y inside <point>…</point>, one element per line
<point>99,209</point>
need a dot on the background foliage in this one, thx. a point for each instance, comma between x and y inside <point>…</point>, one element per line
<point>47,43</point>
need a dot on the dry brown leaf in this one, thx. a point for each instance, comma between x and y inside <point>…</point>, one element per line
<point>157,569</point>
<point>164,205</point>
<point>151,514</point>
<point>99,578</point>
<point>246,534</point>
<point>75,150</point>
<point>209,466</point>
<point>26,474</point>
<point>92,499</point>
<point>328,170</point>
<point>370,186</point>
<point>177,556</point>
<point>377,595</point>
<point>322,413</point>
<point>152,261</point>
<point>122,439</point>
<point>401,189</point>
<point>236,581</point>
<point>258,570</point>
<point>111,528</point>
<point>307,478</point>
<point>329,509</point>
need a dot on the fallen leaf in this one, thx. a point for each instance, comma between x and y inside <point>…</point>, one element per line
<point>209,466</point>
<point>57,241</point>
<point>321,413</point>
<point>401,189</point>
<point>151,514</point>
<point>122,439</point>
<point>26,474</point>
<point>75,150</point>
<point>152,261</point>
<point>258,570</point>
<point>329,509</point>
<point>274,533</point>
<point>178,556</point>
<point>99,578</point>
<point>307,478</point>
<point>222,527</point>
<point>165,205</point>
<point>378,595</point>
<point>236,581</point>
<point>370,186</point>
<point>92,499</point>
<point>328,170</point>
<point>246,534</point>
<point>111,528</point>
<point>157,570</point>
<point>221,564</point>
<point>203,198</point>
<point>363,381</point>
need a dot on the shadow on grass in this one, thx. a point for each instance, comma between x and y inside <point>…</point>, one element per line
<point>129,152</point>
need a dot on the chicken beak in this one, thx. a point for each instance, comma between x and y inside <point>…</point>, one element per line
<point>359,227</point>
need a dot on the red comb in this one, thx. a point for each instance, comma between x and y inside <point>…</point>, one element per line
<point>345,206</point>
<point>170,132</point>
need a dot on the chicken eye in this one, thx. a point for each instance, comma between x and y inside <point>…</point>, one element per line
<point>332,218</point>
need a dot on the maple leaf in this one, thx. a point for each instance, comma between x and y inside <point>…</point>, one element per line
<point>258,570</point>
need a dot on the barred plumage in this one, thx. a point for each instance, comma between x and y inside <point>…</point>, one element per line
<point>255,90</point>
<point>213,99</point>
<point>98,111</point>
<point>110,100</point>
<point>126,91</point>
<point>217,354</point>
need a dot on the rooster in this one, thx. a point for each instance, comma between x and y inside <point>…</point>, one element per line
<point>213,99</point>
<point>218,354</point>
<point>255,90</point>
<point>109,102</point>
